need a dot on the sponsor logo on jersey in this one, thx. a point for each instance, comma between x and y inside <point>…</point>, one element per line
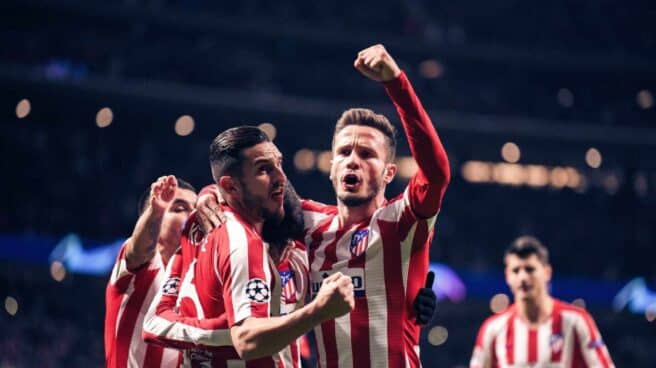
<point>257,291</point>
<point>359,242</point>
<point>356,274</point>
<point>171,286</point>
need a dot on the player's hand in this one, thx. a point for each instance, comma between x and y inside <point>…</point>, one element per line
<point>335,297</point>
<point>377,64</point>
<point>162,193</point>
<point>425,302</point>
<point>209,212</point>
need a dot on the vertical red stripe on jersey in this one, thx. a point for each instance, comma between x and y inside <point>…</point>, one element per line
<point>360,322</point>
<point>577,354</point>
<point>493,353</point>
<point>532,345</point>
<point>331,251</point>
<point>417,270</point>
<point>394,292</point>
<point>510,339</point>
<point>317,238</point>
<point>153,356</point>
<point>128,320</point>
<point>330,344</point>
<point>556,341</point>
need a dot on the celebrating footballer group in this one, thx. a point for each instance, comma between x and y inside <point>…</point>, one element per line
<point>238,281</point>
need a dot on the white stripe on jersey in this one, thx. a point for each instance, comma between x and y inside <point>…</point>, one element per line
<point>544,342</point>
<point>568,320</point>
<point>343,340</point>
<point>320,254</point>
<point>137,356</point>
<point>521,335</point>
<point>321,347</point>
<point>238,251</point>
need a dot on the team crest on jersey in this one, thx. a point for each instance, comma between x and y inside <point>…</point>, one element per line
<point>171,286</point>
<point>359,242</point>
<point>556,342</point>
<point>288,286</point>
<point>257,291</point>
<point>196,235</point>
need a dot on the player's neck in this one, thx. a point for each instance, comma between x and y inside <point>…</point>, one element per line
<point>166,251</point>
<point>535,311</point>
<point>249,215</point>
<point>350,215</point>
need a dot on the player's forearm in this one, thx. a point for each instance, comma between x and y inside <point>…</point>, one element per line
<point>141,246</point>
<point>261,337</point>
<point>423,140</point>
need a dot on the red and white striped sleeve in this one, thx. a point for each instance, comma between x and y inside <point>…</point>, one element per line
<point>243,268</point>
<point>591,345</point>
<point>483,355</point>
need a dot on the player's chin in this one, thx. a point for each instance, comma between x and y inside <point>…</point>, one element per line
<point>274,211</point>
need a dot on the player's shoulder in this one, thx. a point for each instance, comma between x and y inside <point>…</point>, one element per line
<point>313,206</point>
<point>496,322</point>
<point>571,309</point>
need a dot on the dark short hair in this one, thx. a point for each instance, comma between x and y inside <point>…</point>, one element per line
<point>143,200</point>
<point>525,246</point>
<point>226,149</point>
<point>366,117</point>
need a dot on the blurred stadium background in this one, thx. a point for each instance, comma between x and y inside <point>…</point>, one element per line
<point>546,109</point>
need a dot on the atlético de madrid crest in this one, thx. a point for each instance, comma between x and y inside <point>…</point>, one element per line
<point>359,242</point>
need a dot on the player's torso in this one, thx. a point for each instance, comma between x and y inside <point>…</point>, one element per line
<point>127,309</point>
<point>552,344</point>
<point>373,255</point>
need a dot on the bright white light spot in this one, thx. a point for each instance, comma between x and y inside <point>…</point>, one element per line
<point>23,108</point>
<point>499,303</point>
<point>304,159</point>
<point>104,117</point>
<point>323,161</point>
<point>11,305</point>
<point>476,171</point>
<point>431,69</point>
<point>268,129</point>
<point>407,166</point>
<point>184,125</point>
<point>510,152</point>
<point>579,302</point>
<point>57,271</point>
<point>645,99</point>
<point>565,97</point>
<point>593,158</point>
<point>438,335</point>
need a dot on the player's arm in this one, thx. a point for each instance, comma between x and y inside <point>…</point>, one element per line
<point>591,345</point>
<point>142,245</point>
<point>163,325</point>
<point>430,182</point>
<point>259,337</point>
<point>483,355</point>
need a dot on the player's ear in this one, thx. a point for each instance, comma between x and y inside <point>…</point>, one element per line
<point>390,172</point>
<point>548,271</point>
<point>229,184</point>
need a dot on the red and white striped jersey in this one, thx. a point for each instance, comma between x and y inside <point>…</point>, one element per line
<point>127,298</point>
<point>387,255</point>
<point>219,280</point>
<point>569,339</point>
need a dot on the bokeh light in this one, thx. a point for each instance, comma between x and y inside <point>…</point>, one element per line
<point>104,117</point>
<point>499,303</point>
<point>184,125</point>
<point>323,161</point>
<point>57,271</point>
<point>510,152</point>
<point>23,108</point>
<point>593,158</point>
<point>11,305</point>
<point>304,159</point>
<point>645,99</point>
<point>565,97</point>
<point>438,335</point>
<point>268,129</point>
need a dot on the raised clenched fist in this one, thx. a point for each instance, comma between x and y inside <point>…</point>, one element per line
<point>377,64</point>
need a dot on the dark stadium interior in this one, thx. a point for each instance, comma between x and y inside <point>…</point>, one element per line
<point>556,78</point>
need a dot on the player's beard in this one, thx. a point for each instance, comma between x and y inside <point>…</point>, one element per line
<point>253,201</point>
<point>355,199</point>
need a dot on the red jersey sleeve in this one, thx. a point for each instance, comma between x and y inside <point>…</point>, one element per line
<point>428,185</point>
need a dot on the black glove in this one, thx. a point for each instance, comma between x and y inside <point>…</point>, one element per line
<point>425,302</point>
